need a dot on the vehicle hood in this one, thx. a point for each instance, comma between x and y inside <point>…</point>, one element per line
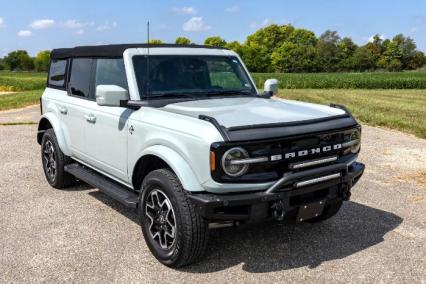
<point>232,112</point>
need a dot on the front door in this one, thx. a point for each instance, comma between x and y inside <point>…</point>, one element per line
<point>106,127</point>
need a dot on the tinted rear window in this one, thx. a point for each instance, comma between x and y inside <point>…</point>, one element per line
<point>80,78</point>
<point>57,73</point>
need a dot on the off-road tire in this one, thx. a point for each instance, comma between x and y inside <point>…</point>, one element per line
<point>191,230</point>
<point>329,211</point>
<point>60,179</point>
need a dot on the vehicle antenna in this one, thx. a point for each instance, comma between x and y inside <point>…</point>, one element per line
<point>147,63</point>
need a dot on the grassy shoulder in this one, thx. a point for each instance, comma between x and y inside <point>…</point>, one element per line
<point>404,110</point>
<point>19,100</point>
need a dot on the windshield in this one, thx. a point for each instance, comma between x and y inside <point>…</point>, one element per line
<point>191,76</point>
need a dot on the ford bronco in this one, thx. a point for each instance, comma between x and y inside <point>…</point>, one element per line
<point>181,134</point>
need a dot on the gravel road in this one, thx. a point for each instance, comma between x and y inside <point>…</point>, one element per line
<point>81,235</point>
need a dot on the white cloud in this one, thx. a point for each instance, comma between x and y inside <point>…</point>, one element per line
<point>185,10</point>
<point>74,24</point>
<point>264,23</point>
<point>25,33</point>
<point>106,26</point>
<point>1,22</point>
<point>42,24</point>
<point>371,38</point>
<point>413,29</point>
<point>195,24</point>
<point>79,31</point>
<point>233,9</point>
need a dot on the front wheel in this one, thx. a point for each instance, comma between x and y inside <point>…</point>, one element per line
<point>175,234</point>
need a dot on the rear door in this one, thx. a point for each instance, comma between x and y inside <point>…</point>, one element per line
<point>106,134</point>
<point>73,109</point>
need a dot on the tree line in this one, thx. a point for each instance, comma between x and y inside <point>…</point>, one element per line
<point>284,48</point>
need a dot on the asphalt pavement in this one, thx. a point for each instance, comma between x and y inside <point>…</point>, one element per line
<point>82,235</point>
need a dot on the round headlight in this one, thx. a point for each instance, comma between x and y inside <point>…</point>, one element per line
<point>234,169</point>
<point>356,136</point>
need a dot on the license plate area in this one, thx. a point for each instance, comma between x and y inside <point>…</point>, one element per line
<point>310,210</point>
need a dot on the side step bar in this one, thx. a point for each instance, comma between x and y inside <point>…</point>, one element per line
<point>111,188</point>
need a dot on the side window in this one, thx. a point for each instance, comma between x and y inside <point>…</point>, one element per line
<point>57,73</point>
<point>111,72</point>
<point>80,78</point>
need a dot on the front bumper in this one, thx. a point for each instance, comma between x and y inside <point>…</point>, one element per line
<point>330,183</point>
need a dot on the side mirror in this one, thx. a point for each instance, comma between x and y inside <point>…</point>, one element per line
<point>110,95</point>
<point>270,87</point>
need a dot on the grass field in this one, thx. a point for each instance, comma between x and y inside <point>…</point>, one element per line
<point>21,81</point>
<point>373,80</point>
<point>403,110</point>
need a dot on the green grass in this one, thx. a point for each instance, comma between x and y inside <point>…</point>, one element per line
<point>373,80</point>
<point>404,110</point>
<point>21,81</point>
<point>19,100</point>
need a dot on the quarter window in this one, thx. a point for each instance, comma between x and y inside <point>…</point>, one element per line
<point>57,73</point>
<point>81,70</point>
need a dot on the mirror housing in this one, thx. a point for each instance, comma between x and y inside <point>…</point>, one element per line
<point>110,95</point>
<point>270,87</point>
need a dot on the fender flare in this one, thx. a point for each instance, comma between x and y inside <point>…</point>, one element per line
<point>56,124</point>
<point>177,163</point>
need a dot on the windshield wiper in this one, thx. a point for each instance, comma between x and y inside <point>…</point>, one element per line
<point>226,92</point>
<point>169,95</point>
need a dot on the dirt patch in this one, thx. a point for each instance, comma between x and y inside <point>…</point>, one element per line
<point>6,93</point>
<point>418,177</point>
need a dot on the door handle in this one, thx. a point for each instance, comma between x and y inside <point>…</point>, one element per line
<point>63,110</point>
<point>90,118</point>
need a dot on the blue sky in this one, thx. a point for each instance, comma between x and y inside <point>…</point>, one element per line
<point>46,24</point>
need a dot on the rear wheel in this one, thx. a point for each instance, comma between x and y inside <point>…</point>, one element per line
<point>54,161</point>
<point>173,231</point>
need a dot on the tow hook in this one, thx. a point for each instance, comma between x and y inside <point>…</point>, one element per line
<point>345,192</point>
<point>278,210</point>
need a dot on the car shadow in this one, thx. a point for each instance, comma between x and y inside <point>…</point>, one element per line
<point>273,246</point>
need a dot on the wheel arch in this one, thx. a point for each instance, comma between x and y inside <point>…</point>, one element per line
<point>48,121</point>
<point>158,156</point>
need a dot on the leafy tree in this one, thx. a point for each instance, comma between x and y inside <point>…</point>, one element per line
<point>391,58</point>
<point>302,37</point>
<point>291,57</point>
<point>265,41</point>
<point>215,41</point>
<point>41,61</point>
<point>155,41</point>
<point>235,46</point>
<point>328,50</point>
<point>407,47</point>
<point>363,59</point>
<point>2,64</point>
<point>271,36</point>
<point>346,51</point>
<point>417,61</point>
<point>19,60</point>
<point>256,58</point>
<point>183,40</point>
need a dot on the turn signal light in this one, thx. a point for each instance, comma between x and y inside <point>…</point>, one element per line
<point>212,161</point>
